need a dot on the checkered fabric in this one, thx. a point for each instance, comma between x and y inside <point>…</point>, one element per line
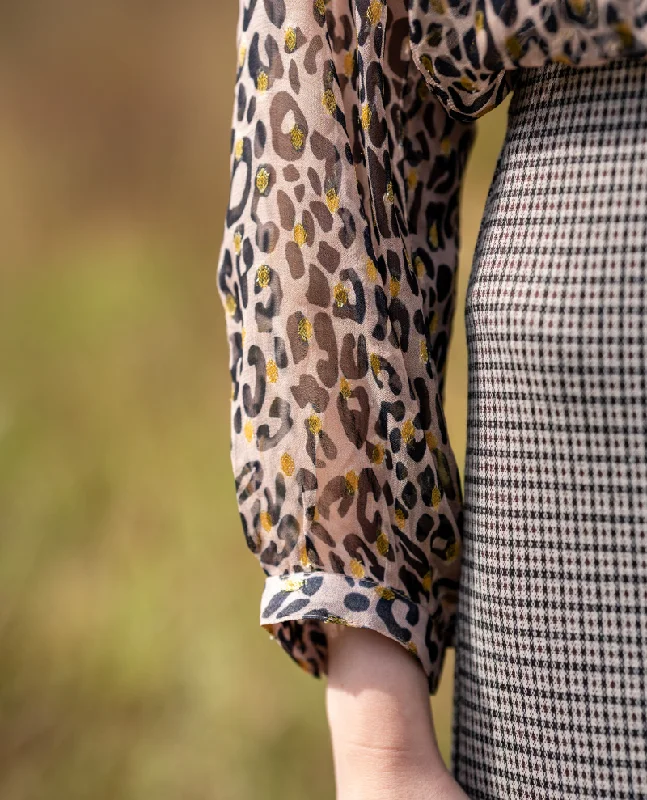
<point>552,625</point>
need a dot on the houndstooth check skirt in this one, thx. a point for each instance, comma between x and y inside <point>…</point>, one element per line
<point>551,646</point>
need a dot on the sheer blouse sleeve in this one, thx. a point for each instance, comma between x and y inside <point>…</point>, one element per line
<point>337,275</point>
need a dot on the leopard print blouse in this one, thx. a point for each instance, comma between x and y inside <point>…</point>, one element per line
<point>353,122</point>
<point>469,50</point>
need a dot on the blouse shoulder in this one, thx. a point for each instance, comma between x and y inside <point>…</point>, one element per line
<point>470,50</point>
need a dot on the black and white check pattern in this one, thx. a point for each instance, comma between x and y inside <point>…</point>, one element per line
<point>552,629</point>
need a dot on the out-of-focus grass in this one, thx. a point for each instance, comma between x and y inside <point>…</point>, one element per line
<point>131,661</point>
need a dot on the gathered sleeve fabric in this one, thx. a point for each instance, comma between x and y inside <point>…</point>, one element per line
<point>337,276</point>
<point>470,51</point>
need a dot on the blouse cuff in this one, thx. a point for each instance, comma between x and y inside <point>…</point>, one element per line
<point>295,606</point>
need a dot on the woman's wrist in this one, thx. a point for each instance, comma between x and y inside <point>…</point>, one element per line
<point>377,701</point>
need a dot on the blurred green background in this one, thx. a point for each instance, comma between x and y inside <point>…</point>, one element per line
<point>132,665</point>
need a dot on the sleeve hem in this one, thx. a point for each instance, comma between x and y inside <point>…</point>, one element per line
<point>295,608</point>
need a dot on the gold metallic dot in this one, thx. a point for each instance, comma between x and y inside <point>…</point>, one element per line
<point>400,519</point>
<point>438,6</point>
<point>290,40</point>
<point>287,464</point>
<point>382,542</point>
<point>467,84</point>
<point>427,63</point>
<point>435,497</point>
<point>432,442</point>
<point>332,201</point>
<point>291,584</point>
<point>300,235</point>
<point>371,269</point>
<point>352,482</point>
<point>262,81</point>
<point>625,33</point>
<point>374,12</point>
<point>341,294</point>
<point>297,137</point>
<point>366,116</point>
<point>513,46</point>
<point>230,304</point>
<point>242,52</point>
<point>408,431</point>
<point>420,266</point>
<point>479,20</point>
<point>356,569</point>
<point>263,276</point>
<point>266,521</point>
<point>562,58</point>
<point>337,620</point>
<point>320,6</point>
<point>315,513</point>
<point>394,287</point>
<point>243,334</point>
<point>375,362</point>
<point>377,456</point>
<point>433,235</point>
<point>238,148</point>
<point>238,241</point>
<point>412,179</point>
<point>424,352</point>
<point>328,101</point>
<point>412,648</point>
<point>443,472</point>
<point>349,63</point>
<point>272,371</point>
<point>314,424</point>
<point>248,430</point>
<point>385,593</point>
<point>262,180</point>
<point>426,582</point>
<point>579,6</point>
<point>433,323</point>
<point>344,388</point>
<point>304,329</point>
<point>389,196</point>
<point>303,556</point>
<point>453,550</point>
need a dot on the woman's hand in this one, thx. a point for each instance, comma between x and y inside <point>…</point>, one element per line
<point>384,746</point>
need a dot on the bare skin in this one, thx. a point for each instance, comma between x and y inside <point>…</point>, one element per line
<point>381,726</point>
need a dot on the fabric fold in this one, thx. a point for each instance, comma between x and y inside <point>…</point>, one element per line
<point>469,51</point>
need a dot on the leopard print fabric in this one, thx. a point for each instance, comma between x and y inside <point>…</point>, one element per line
<point>337,275</point>
<point>469,50</point>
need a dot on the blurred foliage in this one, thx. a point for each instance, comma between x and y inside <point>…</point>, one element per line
<point>132,665</point>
